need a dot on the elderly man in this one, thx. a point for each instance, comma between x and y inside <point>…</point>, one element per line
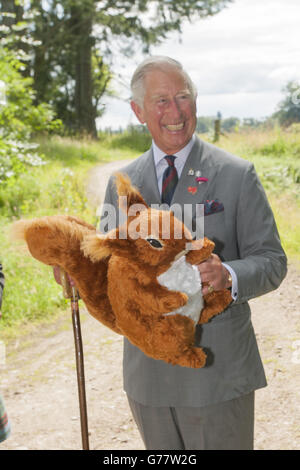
<point>213,407</point>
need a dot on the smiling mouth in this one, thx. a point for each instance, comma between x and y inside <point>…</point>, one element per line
<point>175,127</point>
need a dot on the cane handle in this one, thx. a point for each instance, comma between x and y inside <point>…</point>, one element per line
<point>67,291</point>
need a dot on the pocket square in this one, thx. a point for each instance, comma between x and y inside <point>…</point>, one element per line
<point>212,207</point>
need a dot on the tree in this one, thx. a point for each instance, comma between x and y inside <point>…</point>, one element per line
<point>230,124</point>
<point>204,124</point>
<point>19,119</point>
<point>76,35</point>
<point>289,109</point>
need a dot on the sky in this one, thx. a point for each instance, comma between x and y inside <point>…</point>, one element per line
<point>239,59</point>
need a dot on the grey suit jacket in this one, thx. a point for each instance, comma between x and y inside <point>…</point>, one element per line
<point>246,238</point>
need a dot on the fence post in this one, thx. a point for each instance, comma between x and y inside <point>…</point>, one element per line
<point>217,127</point>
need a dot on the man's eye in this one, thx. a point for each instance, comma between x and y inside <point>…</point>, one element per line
<point>155,243</point>
<point>183,97</point>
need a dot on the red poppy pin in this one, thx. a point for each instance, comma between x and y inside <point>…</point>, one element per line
<point>192,189</point>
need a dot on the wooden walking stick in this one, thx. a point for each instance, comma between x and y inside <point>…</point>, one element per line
<point>70,292</point>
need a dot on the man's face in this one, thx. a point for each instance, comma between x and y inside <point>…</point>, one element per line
<point>169,109</point>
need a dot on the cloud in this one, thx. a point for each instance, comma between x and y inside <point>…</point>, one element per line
<point>242,105</point>
<point>237,78</point>
<point>239,59</point>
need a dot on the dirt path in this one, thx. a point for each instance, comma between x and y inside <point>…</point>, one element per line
<point>39,382</point>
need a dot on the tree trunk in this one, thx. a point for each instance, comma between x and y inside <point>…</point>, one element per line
<point>8,6</point>
<point>85,111</point>
<point>11,6</point>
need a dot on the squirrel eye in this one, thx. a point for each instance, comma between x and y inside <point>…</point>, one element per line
<point>155,243</point>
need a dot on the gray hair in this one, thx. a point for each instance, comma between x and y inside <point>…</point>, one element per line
<point>156,63</point>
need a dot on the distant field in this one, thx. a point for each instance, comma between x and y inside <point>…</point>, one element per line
<point>276,156</point>
<point>59,187</point>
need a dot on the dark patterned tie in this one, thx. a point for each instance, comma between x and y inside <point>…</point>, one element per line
<point>170,180</point>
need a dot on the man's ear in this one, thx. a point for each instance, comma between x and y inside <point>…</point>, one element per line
<point>97,247</point>
<point>138,111</point>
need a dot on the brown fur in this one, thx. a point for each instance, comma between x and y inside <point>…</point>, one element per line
<point>117,278</point>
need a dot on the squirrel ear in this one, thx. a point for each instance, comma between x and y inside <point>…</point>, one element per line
<point>97,247</point>
<point>128,194</point>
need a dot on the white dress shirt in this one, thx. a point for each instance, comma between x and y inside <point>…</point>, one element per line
<point>160,166</point>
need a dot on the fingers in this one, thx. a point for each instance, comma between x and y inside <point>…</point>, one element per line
<point>207,274</point>
<point>214,276</point>
<point>56,273</point>
<point>207,268</point>
<point>207,289</point>
<point>57,276</point>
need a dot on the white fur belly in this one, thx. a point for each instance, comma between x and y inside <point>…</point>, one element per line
<point>184,277</point>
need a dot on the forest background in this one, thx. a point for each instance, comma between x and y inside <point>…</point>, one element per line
<point>55,66</point>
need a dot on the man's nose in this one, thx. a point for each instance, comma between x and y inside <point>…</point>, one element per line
<point>174,108</point>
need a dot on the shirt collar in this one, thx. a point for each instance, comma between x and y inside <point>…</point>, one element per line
<point>182,154</point>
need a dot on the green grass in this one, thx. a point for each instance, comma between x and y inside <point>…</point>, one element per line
<point>286,213</point>
<point>276,156</point>
<point>29,291</point>
<point>31,295</point>
<point>73,153</point>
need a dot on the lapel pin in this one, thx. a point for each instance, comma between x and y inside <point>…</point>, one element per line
<point>192,189</point>
<point>198,173</point>
<point>191,172</point>
<point>201,180</point>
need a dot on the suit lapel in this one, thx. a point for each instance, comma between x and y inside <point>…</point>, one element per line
<point>147,179</point>
<point>188,190</point>
<point>198,159</point>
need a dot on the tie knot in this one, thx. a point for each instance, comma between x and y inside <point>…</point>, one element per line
<point>170,159</point>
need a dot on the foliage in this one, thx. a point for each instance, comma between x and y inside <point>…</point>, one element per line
<point>134,138</point>
<point>294,128</point>
<point>289,108</point>
<point>29,295</point>
<point>19,120</point>
<point>275,154</point>
<point>68,46</point>
<point>60,185</point>
<point>205,124</point>
<point>230,124</point>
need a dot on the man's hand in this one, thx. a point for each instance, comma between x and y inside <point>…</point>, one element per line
<point>214,276</point>
<point>56,272</point>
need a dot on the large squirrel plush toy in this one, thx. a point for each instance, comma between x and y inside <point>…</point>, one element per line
<point>146,288</point>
